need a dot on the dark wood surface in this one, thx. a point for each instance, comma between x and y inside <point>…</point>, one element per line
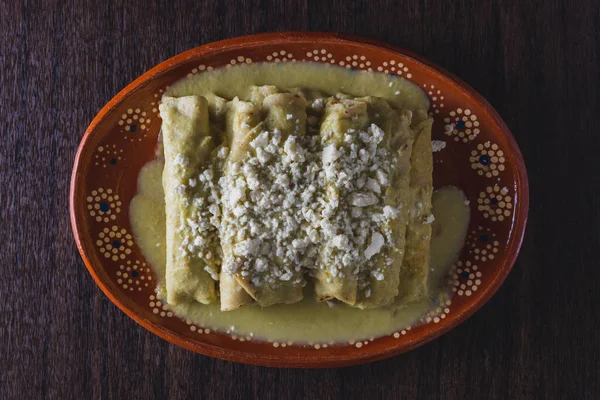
<point>537,62</point>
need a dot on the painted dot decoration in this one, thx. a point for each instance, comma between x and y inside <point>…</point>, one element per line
<point>108,155</point>
<point>103,205</point>
<point>483,244</point>
<point>321,55</point>
<point>195,328</point>
<point>202,68</point>
<point>238,60</point>
<point>395,68</point>
<point>435,97</point>
<point>159,307</point>
<point>465,278</point>
<point>462,125</point>
<point>134,276</point>
<point>495,203</point>
<point>159,93</point>
<point>158,100</point>
<point>439,311</point>
<point>354,61</point>
<point>114,243</point>
<point>240,338</point>
<point>280,56</point>
<point>402,332</point>
<point>488,160</point>
<point>135,123</point>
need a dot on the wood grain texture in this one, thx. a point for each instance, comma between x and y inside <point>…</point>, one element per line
<point>537,62</point>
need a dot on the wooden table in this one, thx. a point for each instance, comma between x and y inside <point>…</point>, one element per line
<point>537,62</point>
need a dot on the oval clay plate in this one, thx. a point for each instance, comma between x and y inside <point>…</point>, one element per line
<point>481,158</point>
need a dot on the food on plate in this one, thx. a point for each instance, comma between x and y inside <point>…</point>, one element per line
<point>191,237</point>
<point>300,188</point>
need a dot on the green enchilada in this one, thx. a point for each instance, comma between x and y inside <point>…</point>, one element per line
<point>192,239</point>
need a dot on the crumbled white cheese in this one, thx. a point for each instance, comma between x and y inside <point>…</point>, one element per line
<point>262,156</point>
<point>247,248</point>
<point>318,104</point>
<point>341,242</point>
<point>299,244</point>
<point>437,145</point>
<point>261,140</point>
<point>235,195</point>
<point>275,182</point>
<point>199,230</point>
<point>390,212</point>
<point>363,199</point>
<point>180,189</point>
<point>240,210</point>
<point>377,242</point>
<point>286,276</point>
<point>377,133</point>
<point>373,185</point>
<point>222,153</point>
<point>330,154</point>
<point>382,177</point>
<point>377,275</point>
<point>181,160</point>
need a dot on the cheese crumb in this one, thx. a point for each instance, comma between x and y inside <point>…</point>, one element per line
<point>377,275</point>
<point>437,145</point>
<point>318,104</point>
<point>373,185</point>
<point>330,154</point>
<point>181,160</point>
<point>377,242</point>
<point>363,199</point>
<point>180,189</point>
<point>261,140</point>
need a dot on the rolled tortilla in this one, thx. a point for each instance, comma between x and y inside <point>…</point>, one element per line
<point>380,292</point>
<point>258,94</point>
<point>241,124</point>
<point>192,263</point>
<point>285,113</point>
<point>233,295</point>
<point>332,280</point>
<point>217,106</point>
<point>415,267</point>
